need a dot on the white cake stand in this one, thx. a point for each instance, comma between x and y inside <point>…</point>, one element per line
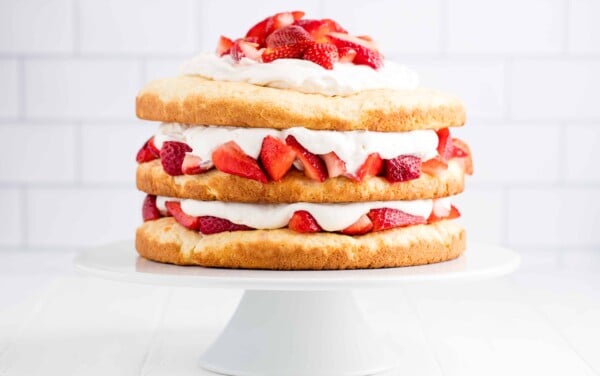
<point>295,322</point>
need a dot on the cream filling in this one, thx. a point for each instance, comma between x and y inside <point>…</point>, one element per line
<point>302,75</point>
<point>352,147</point>
<point>331,217</point>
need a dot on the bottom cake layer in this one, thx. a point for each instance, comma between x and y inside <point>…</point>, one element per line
<point>164,240</point>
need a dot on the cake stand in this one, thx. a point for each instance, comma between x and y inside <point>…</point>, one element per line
<point>292,323</point>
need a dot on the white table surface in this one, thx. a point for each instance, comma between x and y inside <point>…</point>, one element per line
<point>542,320</point>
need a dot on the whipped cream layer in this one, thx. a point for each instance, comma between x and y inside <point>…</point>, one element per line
<point>352,147</point>
<point>303,75</point>
<point>331,217</point>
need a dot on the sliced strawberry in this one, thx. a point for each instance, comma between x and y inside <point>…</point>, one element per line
<point>212,225</point>
<point>346,54</point>
<point>244,48</point>
<point>293,51</point>
<point>361,226</point>
<point>280,20</point>
<point>403,168</point>
<point>319,29</point>
<point>148,152</point>
<point>192,165</point>
<point>259,32</point>
<point>288,35</point>
<point>303,221</point>
<point>440,212</point>
<point>372,167</point>
<point>462,151</point>
<point>187,221</point>
<point>172,155</point>
<point>366,52</point>
<point>230,158</point>
<point>276,157</point>
<point>324,54</point>
<point>149,209</point>
<point>314,167</point>
<point>434,166</point>
<point>454,213</point>
<point>444,144</point>
<point>224,46</point>
<point>335,166</point>
<point>386,218</point>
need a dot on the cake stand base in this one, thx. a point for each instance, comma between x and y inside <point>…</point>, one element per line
<point>288,333</point>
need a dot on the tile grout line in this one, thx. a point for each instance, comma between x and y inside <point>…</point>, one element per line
<point>508,73</point>
<point>22,95</point>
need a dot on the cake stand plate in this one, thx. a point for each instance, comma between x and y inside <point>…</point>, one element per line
<point>291,323</point>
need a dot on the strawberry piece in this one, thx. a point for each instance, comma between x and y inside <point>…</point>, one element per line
<point>346,54</point>
<point>319,29</point>
<point>440,212</point>
<point>280,20</point>
<point>361,226</point>
<point>259,32</point>
<point>224,46</point>
<point>462,151</point>
<point>402,168</point>
<point>314,167</point>
<point>148,152</point>
<point>276,157</point>
<point>434,166</point>
<point>287,36</point>
<point>324,54</point>
<point>372,167</point>
<point>454,213</point>
<point>149,209</point>
<point>192,165</point>
<point>386,218</point>
<point>335,166</point>
<point>212,225</point>
<point>187,221</point>
<point>303,221</point>
<point>230,158</point>
<point>244,48</point>
<point>444,144</point>
<point>172,155</point>
<point>366,52</point>
<point>293,51</point>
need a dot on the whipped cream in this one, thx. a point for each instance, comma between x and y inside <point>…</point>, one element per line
<point>331,217</point>
<point>352,147</point>
<point>303,75</point>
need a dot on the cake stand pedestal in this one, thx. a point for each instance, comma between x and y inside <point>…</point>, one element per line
<point>292,323</point>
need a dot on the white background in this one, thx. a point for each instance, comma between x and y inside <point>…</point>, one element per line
<point>528,70</point>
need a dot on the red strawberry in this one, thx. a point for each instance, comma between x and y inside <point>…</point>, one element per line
<point>259,31</point>
<point>172,155</point>
<point>149,209</point>
<point>244,48</point>
<point>287,36</point>
<point>361,226</point>
<point>276,157</point>
<point>402,168</point>
<point>324,54</point>
<point>366,52</point>
<point>187,221</point>
<point>440,212</point>
<point>444,144</point>
<point>434,166</point>
<point>147,152</point>
<point>212,225</point>
<point>282,19</point>
<point>386,218</point>
<point>303,221</point>
<point>314,167</point>
<point>461,150</point>
<point>293,51</point>
<point>230,158</point>
<point>346,54</point>
<point>335,166</point>
<point>224,45</point>
<point>320,28</point>
<point>191,165</point>
<point>372,167</point>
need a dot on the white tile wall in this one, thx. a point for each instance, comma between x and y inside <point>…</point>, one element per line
<point>528,70</point>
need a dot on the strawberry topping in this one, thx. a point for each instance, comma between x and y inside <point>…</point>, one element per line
<point>324,54</point>
<point>444,144</point>
<point>172,155</point>
<point>372,167</point>
<point>288,35</point>
<point>149,209</point>
<point>244,48</point>
<point>366,53</point>
<point>286,52</point>
<point>191,165</point>
<point>386,218</point>
<point>335,166</point>
<point>230,158</point>
<point>212,225</point>
<point>319,29</point>
<point>361,226</point>
<point>462,151</point>
<point>224,46</point>
<point>276,157</point>
<point>434,166</point>
<point>314,167</point>
<point>440,211</point>
<point>303,221</point>
<point>148,152</point>
<point>187,221</point>
<point>403,168</point>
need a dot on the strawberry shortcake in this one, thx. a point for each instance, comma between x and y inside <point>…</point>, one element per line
<point>299,146</point>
